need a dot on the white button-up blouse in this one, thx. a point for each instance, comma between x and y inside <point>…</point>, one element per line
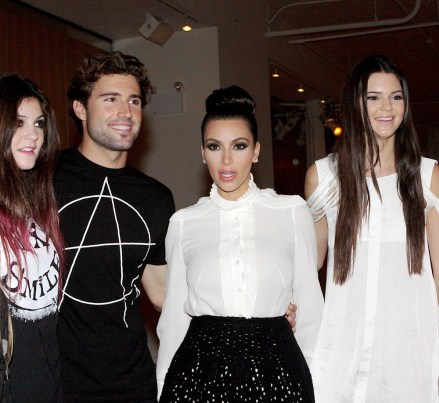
<point>245,258</point>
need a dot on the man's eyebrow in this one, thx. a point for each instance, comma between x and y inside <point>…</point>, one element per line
<point>106,94</point>
<point>118,94</point>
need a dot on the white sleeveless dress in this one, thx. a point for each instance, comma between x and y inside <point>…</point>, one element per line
<point>379,337</point>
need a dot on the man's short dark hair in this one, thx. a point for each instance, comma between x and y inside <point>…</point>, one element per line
<point>92,68</point>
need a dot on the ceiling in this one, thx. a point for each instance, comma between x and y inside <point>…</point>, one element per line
<point>320,63</point>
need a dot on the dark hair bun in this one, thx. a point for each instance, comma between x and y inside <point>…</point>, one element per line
<point>232,99</point>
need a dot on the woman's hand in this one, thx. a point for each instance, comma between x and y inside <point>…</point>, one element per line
<point>290,315</point>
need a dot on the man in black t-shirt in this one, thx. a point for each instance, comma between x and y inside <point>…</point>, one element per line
<point>114,221</point>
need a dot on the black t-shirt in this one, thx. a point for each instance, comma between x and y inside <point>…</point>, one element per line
<point>114,222</point>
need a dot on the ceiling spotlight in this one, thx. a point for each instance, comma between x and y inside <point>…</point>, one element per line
<point>275,73</point>
<point>187,27</point>
<point>323,100</point>
<point>300,89</point>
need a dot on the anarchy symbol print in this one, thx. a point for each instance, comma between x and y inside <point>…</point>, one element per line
<point>110,242</point>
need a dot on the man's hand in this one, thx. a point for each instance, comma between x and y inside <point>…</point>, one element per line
<point>290,314</point>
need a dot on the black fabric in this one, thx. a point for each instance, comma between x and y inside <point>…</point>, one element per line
<point>5,396</point>
<point>4,384</point>
<point>114,221</point>
<point>34,371</point>
<point>233,360</point>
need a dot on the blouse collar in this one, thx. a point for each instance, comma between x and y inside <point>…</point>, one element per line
<point>224,204</point>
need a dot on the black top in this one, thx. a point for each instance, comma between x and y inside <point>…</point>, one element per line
<point>114,222</point>
<point>34,371</point>
<point>4,310</point>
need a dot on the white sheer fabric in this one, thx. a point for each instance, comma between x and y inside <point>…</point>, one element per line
<point>245,258</point>
<point>379,336</point>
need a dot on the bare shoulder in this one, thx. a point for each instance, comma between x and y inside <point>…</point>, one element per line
<point>311,180</point>
<point>434,185</point>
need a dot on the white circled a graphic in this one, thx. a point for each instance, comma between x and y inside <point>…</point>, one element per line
<point>124,293</point>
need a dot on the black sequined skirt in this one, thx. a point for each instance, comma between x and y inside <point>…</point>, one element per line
<point>228,360</point>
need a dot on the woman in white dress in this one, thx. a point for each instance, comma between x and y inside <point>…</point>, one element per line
<point>236,260</point>
<point>375,206</point>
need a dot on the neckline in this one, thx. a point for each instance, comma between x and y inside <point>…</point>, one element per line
<point>382,177</point>
<point>97,167</point>
<point>229,205</point>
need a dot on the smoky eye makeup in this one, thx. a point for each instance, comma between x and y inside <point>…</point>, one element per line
<point>241,145</point>
<point>212,145</point>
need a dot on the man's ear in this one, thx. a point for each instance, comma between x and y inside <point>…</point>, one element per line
<point>80,110</point>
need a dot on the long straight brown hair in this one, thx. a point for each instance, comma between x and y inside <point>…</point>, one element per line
<point>356,151</point>
<point>26,194</point>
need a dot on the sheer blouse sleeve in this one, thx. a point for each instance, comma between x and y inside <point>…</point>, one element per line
<point>326,194</point>
<point>307,294</point>
<point>174,322</point>
<point>431,199</point>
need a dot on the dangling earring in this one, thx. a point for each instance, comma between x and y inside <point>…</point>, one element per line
<point>255,161</point>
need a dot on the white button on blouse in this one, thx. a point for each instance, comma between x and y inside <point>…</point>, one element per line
<point>245,258</point>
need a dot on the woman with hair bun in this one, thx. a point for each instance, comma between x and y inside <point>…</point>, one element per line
<point>236,260</point>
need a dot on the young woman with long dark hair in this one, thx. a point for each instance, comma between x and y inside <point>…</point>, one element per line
<point>31,242</point>
<point>375,205</point>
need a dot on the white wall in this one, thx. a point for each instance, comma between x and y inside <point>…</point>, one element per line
<point>243,57</point>
<point>168,147</point>
<point>203,60</point>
